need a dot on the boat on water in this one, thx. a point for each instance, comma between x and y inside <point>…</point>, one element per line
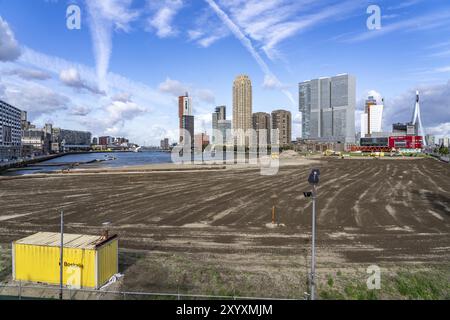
<point>109,158</point>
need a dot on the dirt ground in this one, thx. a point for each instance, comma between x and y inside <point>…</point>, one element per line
<point>209,231</point>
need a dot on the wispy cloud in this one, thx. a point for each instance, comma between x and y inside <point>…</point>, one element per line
<point>421,23</point>
<point>176,88</point>
<point>208,29</point>
<point>271,22</point>
<point>71,78</point>
<point>246,42</point>
<point>162,20</point>
<point>29,74</point>
<point>404,4</point>
<point>443,69</point>
<point>105,16</point>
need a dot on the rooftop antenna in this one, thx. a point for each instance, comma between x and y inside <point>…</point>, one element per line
<point>417,119</point>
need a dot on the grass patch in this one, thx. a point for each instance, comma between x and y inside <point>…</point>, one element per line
<point>5,264</point>
<point>422,285</point>
<point>405,283</point>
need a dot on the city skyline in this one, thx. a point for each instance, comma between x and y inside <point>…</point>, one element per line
<point>63,84</point>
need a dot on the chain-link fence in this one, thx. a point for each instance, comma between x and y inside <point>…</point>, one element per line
<point>41,292</point>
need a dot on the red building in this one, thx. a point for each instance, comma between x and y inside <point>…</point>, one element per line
<point>406,142</point>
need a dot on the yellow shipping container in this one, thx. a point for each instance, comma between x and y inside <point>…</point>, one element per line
<point>88,261</point>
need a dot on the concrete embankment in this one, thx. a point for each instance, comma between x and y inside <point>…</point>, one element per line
<point>22,164</point>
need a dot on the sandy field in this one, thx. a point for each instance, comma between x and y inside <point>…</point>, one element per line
<point>209,231</point>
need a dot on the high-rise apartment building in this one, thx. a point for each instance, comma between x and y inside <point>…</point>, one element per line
<point>219,114</point>
<point>431,140</point>
<point>328,108</point>
<point>242,108</point>
<point>282,120</point>
<point>10,131</point>
<point>164,145</point>
<point>372,118</point>
<point>261,123</point>
<point>224,127</point>
<point>186,117</point>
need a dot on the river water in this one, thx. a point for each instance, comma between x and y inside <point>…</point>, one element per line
<point>118,159</point>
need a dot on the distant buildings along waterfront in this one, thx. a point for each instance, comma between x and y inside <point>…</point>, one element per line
<point>220,114</point>
<point>372,118</point>
<point>164,145</point>
<point>282,120</point>
<point>70,140</point>
<point>262,126</point>
<point>328,108</point>
<point>242,109</point>
<point>10,132</point>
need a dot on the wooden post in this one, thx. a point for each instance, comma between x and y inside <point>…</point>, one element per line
<point>273,215</point>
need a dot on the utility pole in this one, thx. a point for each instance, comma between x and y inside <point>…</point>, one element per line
<point>61,259</point>
<point>313,181</point>
<point>313,245</point>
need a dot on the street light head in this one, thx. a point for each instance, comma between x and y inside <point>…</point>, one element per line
<point>314,177</point>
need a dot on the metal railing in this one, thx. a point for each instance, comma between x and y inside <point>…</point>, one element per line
<point>42,292</point>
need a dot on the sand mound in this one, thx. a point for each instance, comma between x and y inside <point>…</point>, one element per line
<point>289,154</point>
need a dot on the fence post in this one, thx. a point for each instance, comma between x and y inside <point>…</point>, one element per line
<point>20,290</point>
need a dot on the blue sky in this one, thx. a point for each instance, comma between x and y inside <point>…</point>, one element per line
<point>120,74</point>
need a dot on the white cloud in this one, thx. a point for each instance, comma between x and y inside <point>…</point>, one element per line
<point>136,112</point>
<point>71,78</point>
<point>271,83</point>
<point>162,20</point>
<point>246,42</point>
<point>271,22</point>
<point>208,29</point>
<point>205,95</point>
<point>9,47</point>
<point>440,131</point>
<point>80,111</point>
<point>104,17</point>
<point>122,97</point>
<point>174,87</point>
<point>36,99</point>
<point>30,74</point>
<point>177,88</point>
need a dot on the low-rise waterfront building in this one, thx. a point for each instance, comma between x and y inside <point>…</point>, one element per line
<point>10,132</point>
<point>71,140</point>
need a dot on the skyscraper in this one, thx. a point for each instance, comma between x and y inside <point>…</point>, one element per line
<point>328,108</point>
<point>261,121</point>
<point>219,114</point>
<point>372,118</point>
<point>242,108</point>
<point>186,117</point>
<point>282,120</point>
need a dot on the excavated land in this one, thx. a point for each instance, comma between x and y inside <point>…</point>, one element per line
<point>211,230</point>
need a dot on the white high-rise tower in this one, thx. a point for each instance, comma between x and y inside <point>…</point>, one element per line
<point>417,120</point>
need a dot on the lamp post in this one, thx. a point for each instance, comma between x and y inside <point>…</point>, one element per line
<point>313,181</point>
